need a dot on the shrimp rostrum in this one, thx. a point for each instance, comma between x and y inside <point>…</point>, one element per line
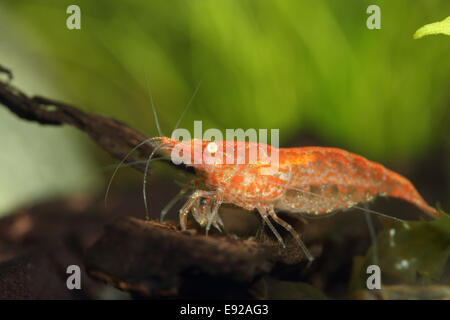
<point>309,181</point>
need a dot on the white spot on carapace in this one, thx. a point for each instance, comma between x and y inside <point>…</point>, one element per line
<point>212,147</point>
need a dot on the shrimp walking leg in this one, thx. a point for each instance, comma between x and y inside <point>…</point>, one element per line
<point>172,202</point>
<point>264,215</point>
<point>215,209</point>
<point>184,211</point>
<point>373,235</point>
<point>291,230</point>
<point>216,220</point>
<point>201,211</point>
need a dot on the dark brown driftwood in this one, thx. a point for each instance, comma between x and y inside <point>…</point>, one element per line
<point>113,136</point>
<point>148,258</point>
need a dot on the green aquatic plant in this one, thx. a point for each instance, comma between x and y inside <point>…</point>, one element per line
<point>440,27</point>
<point>410,253</point>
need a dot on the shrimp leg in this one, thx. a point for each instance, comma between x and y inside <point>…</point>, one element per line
<point>190,203</point>
<point>202,211</point>
<point>291,230</point>
<point>263,212</point>
<point>215,209</point>
<point>172,202</point>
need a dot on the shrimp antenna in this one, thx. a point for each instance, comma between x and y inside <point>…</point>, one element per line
<point>373,236</point>
<point>120,164</point>
<point>144,192</point>
<point>138,145</point>
<point>188,105</point>
<point>130,164</point>
<point>356,207</point>
<point>153,106</point>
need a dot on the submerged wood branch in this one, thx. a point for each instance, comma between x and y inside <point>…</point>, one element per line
<point>155,259</point>
<point>113,136</point>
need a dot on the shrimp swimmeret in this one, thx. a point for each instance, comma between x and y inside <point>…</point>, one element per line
<point>309,181</point>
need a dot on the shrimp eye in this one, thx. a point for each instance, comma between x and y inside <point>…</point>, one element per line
<point>212,148</point>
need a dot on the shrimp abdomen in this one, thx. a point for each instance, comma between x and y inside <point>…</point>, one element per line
<point>329,179</point>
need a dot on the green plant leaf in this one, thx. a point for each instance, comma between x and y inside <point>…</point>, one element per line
<point>412,253</point>
<point>440,27</point>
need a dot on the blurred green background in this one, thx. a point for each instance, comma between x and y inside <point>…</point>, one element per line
<point>306,67</point>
